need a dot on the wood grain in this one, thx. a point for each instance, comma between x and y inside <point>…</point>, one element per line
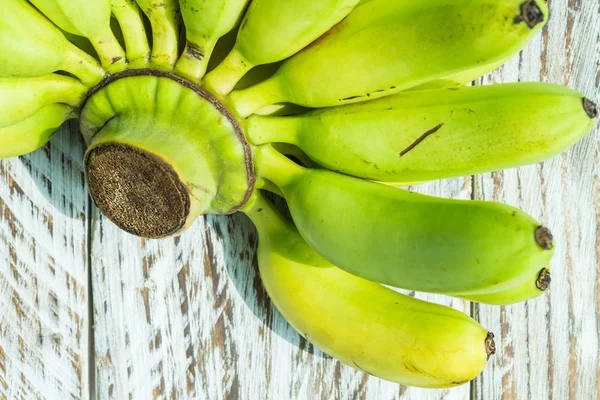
<point>43,273</point>
<point>548,347</point>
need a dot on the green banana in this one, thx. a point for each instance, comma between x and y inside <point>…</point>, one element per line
<point>165,19</point>
<point>205,22</point>
<point>128,14</point>
<point>272,31</point>
<point>363,324</point>
<point>405,239</point>
<point>90,19</point>
<point>387,46</point>
<point>532,287</point>
<point>22,97</point>
<point>32,46</point>
<point>435,134</point>
<point>34,132</point>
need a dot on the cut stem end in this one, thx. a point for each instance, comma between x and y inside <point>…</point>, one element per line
<point>490,345</point>
<point>531,13</point>
<point>590,108</point>
<point>544,279</point>
<point>543,237</point>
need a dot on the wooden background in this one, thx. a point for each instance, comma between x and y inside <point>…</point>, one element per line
<point>87,310</point>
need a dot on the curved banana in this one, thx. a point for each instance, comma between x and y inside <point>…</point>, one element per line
<point>532,287</point>
<point>387,46</point>
<point>90,19</point>
<point>272,31</point>
<point>129,16</point>
<point>406,239</point>
<point>32,46</point>
<point>205,22</point>
<point>435,134</point>
<point>363,324</point>
<point>22,97</point>
<point>165,19</point>
<point>34,132</point>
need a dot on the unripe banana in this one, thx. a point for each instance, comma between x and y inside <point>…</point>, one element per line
<point>532,287</point>
<point>34,132</point>
<point>165,18</point>
<point>90,19</point>
<point>435,134</point>
<point>363,324</point>
<point>387,46</point>
<point>406,239</point>
<point>205,22</point>
<point>32,46</point>
<point>272,31</point>
<point>22,97</point>
<point>130,20</point>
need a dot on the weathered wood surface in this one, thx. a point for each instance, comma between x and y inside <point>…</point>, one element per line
<point>188,317</point>
<point>43,273</point>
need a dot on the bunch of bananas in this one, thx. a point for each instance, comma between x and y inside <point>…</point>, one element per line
<point>379,102</point>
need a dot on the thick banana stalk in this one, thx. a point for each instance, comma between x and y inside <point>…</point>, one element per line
<point>22,97</point>
<point>165,19</point>
<point>405,239</point>
<point>90,19</point>
<point>32,46</point>
<point>532,287</point>
<point>205,22</point>
<point>273,30</point>
<point>427,135</point>
<point>363,324</point>
<point>130,20</point>
<point>387,46</point>
<point>34,132</point>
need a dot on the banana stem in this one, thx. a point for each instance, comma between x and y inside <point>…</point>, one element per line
<point>274,166</point>
<point>83,66</point>
<point>194,61</point>
<point>269,186</point>
<point>165,34</point>
<point>264,216</point>
<point>252,99</point>
<point>261,130</point>
<point>136,42</point>
<point>110,51</point>
<point>226,75</point>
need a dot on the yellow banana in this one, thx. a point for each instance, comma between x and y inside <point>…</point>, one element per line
<point>90,19</point>
<point>165,18</point>
<point>435,134</point>
<point>32,46</point>
<point>205,22</point>
<point>34,132</point>
<point>22,97</point>
<point>130,20</point>
<point>272,31</point>
<point>387,46</point>
<point>363,324</point>
<point>406,239</point>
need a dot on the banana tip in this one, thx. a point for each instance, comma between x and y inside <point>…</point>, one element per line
<point>490,345</point>
<point>544,279</point>
<point>531,13</point>
<point>543,237</point>
<point>590,108</point>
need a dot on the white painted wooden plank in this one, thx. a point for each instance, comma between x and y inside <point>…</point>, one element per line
<point>189,318</point>
<point>43,275</point>
<point>548,347</point>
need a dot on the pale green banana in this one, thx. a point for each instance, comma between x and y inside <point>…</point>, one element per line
<point>272,31</point>
<point>165,18</point>
<point>32,46</point>
<point>387,46</point>
<point>406,239</point>
<point>90,19</point>
<point>532,287</point>
<point>435,134</point>
<point>22,97</point>
<point>205,22</point>
<point>130,20</point>
<point>363,324</point>
<point>34,132</point>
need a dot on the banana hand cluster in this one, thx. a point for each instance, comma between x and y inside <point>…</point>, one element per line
<point>188,107</point>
